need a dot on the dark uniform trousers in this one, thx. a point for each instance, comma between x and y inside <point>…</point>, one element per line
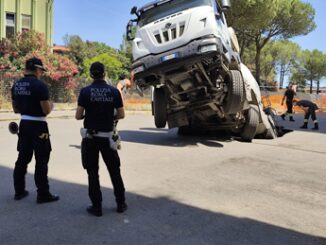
<point>311,112</point>
<point>90,159</point>
<point>34,138</point>
<point>289,105</point>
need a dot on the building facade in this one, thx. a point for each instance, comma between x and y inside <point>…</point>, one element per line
<point>21,15</point>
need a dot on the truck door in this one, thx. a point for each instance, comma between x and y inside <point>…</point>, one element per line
<point>222,25</point>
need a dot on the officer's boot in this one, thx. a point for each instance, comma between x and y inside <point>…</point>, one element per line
<point>316,127</point>
<point>283,116</point>
<point>95,210</point>
<point>291,119</point>
<point>305,125</point>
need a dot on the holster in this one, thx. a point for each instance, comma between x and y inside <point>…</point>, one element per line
<point>113,137</point>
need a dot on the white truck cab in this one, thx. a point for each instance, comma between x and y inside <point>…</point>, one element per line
<point>185,51</point>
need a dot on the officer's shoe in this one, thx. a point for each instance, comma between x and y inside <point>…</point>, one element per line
<point>283,116</point>
<point>94,211</point>
<point>121,207</point>
<point>48,198</point>
<point>291,119</point>
<point>304,126</point>
<point>316,127</point>
<point>19,196</point>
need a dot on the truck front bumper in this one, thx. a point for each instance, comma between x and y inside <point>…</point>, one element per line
<point>152,66</point>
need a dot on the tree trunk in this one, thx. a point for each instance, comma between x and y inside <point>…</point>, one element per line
<point>311,86</point>
<point>318,85</point>
<point>282,74</point>
<point>257,62</point>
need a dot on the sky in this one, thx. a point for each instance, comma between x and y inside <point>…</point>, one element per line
<point>95,20</point>
<point>106,20</point>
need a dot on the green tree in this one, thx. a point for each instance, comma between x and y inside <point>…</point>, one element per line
<point>268,70</point>
<point>14,52</point>
<point>82,52</point>
<point>285,54</point>
<point>96,48</point>
<point>260,21</point>
<point>77,49</point>
<point>321,71</point>
<point>311,67</point>
<point>297,76</point>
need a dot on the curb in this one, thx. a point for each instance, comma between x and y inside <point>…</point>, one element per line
<point>14,117</point>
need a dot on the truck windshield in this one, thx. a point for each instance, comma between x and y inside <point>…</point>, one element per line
<point>171,7</point>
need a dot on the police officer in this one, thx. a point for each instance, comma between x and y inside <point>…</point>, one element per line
<point>97,104</point>
<point>309,109</point>
<point>30,98</point>
<point>288,95</point>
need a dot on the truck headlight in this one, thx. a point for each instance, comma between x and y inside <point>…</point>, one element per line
<point>208,48</point>
<point>139,69</point>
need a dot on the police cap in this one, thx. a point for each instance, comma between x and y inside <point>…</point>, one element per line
<point>33,63</point>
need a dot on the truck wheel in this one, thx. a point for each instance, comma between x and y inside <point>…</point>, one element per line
<point>271,133</point>
<point>252,122</point>
<point>236,96</point>
<point>160,106</point>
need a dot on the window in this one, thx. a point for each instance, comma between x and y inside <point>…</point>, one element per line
<point>26,22</point>
<point>10,25</point>
<point>218,12</point>
<point>159,10</point>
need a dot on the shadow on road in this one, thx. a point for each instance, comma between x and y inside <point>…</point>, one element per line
<point>299,121</point>
<point>75,146</point>
<point>153,136</point>
<point>158,220</point>
<point>155,129</point>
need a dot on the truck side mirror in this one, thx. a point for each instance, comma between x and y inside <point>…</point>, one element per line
<point>129,33</point>
<point>134,11</point>
<point>226,4</point>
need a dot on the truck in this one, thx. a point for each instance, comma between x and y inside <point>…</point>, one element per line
<point>186,53</point>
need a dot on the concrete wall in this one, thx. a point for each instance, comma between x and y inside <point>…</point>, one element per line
<point>40,10</point>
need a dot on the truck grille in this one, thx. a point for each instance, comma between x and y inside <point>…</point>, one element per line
<point>168,34</point>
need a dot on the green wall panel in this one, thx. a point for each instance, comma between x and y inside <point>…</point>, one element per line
<point>42,15</point>
<point>26,7</point>
<point>10,6</point>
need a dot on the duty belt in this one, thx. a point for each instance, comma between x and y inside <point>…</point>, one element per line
<point>32,118</point>
<point>86,133</point>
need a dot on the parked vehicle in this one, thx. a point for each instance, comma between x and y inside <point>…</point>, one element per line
<point>186,52</point>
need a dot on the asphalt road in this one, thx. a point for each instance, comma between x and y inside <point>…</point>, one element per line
<point>180,190</point>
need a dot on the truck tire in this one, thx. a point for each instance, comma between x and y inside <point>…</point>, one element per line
<point>160,108</point>
<point>251,125</point>
<point>271,133</point>
<point>236,96</point>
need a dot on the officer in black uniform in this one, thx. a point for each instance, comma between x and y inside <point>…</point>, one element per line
<point>97,104</point>
<point>30,98</point>
<point>289,95</point>
<point>310,110</point>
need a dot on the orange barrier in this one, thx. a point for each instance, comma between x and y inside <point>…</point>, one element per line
<point>272,100</point>
<point>275,102</point>
<point>137,102</point>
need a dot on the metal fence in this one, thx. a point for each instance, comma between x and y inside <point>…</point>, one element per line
<point>60,94</point>
<point>58,90</point>
<point>5,88</point>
